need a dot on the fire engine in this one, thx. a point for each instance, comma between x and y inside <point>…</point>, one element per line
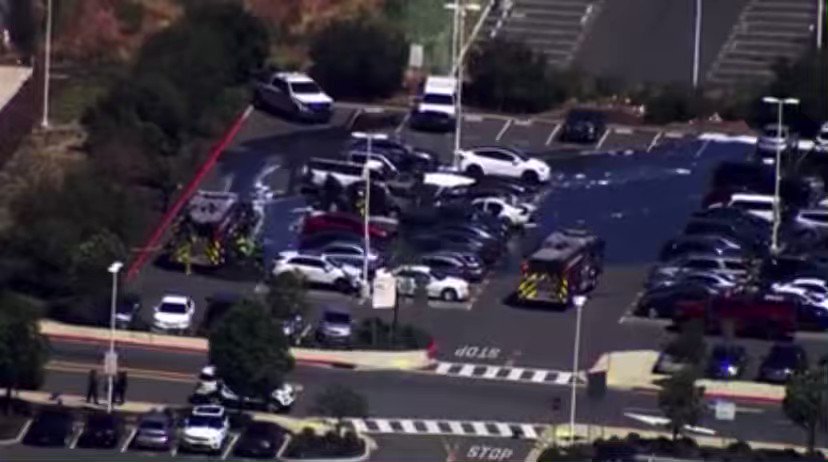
<point>568,263</point>
<point>216,228</point>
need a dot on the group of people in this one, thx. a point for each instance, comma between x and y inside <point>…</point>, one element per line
<point>119,387</point>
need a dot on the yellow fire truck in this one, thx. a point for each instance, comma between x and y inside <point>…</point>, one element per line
<point>568,263</point>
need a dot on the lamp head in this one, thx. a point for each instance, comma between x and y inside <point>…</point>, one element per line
<point>115,267</point>
<point>579,300</point>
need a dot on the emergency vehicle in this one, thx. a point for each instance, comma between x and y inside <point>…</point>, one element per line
<point>214,229</point>
<point>568,263</point>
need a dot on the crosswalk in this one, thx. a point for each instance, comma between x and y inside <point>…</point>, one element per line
<point>448,427</point>
<point>508,373</point>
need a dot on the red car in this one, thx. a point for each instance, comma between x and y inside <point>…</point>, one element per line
<point>766,315</point>
<point>339,221</point>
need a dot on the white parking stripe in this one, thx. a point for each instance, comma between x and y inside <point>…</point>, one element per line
<point>402,123</point>
<point>443,368</point>
<point>515,374</point>
<point>563,378</point>
<point>538,376</point>
<point>491,372</point>
<point>655,140</point>
<point>601,141</point>
<point>383,426</point>
<point>432,427</point>
<point>23,430</point>
<point>467,370</point>
<point>504,429</point>
<point>552,134</point>
<point>528,431</point>
<point>455,427</point>
<point>506,126</point>
<point>359,425</point>
<point>408,426</point>
<point>76,437</point>
<point>480,428</point>
<point>233,439</point>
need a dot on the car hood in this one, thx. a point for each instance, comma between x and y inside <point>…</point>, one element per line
<point>538,164</point>
<point>443,109</point>
<point>172,318</point>
<point>313,98</point>
<point>202,432</point>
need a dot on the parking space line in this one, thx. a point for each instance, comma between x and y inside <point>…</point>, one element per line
<point>655,140</point>
<point>128,440</point>
<point>552,134</point>
<point>473,118</point>
<point>601,141</point>
<point>623,130</point>
<point>502,131</point>
<point>480,428</point>
<point>233,439</point>
<point>402,124</point>
<point>702,148</point>
<point>73,443</point>
<point>174,449</point>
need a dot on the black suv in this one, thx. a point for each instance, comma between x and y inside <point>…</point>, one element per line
<point>584,126</point>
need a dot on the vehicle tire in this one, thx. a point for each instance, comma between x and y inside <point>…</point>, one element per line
<point>531,177</point>
<point>474,171</point>
<point>449,295</point>
<point>342,285</point>
<point>651,312</point>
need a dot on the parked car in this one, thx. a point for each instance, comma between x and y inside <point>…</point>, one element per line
<point>455,240</point>
<point>261,440</point>
<point>812,218</point>
<point>773,139</point>
<point>435,106</point>
<point>294,95</point>
<point>335,327</point>
<point>339,174</point>
<point>727,362</point>
<point>455,266</point>
<point>210,389</point>
<point>816,286</point>
<point>50,428</point>
<point>125,310</point>
<point>728,266</point>
<point>821,140</point>
<point>437,285</point>
<point>710,244</point>
<point>174,313</point>
<point>758,205</point>
<point>584,126</point>
<point>316,241</point>
<point>767,315</point>
<point>782,361</point>
<point>506,162</point>
<point>155,430</point>
<point>101,431</point>
<point>206,429</point>
<point>318,269</point>
<point>351,253</point>
<point>662,302</point>
<point>337,221</point>
<point>516,215</point>
<point>405,157</point>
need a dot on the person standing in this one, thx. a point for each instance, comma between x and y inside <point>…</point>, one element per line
<point>121,387</point>
<point>92,387</point>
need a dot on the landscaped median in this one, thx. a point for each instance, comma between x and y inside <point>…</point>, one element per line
<point>634,370</point>
<point>355,359</point>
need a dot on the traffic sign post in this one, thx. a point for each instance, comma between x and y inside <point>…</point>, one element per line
<point>111,363</point>
<point>725,410</point>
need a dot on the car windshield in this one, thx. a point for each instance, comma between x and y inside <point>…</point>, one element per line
<point>305,88</point>
<point>337,318</point>
<point>152,425</point>
<point>205,421</point>
<point>774,132</point>
<point>442,100</point>
<point>175,308</point>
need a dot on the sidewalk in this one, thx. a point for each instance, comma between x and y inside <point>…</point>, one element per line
<point>633,370</point>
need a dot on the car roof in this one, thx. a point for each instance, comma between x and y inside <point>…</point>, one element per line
<point>175,299</point>
<point>294,77</point>
<point>442,85</point>
<point>209,411</point>
<point>337,309</point>
<point>752,197</point>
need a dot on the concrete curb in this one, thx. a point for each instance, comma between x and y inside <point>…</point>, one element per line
<point>352,359</point>
<point>369,446</point>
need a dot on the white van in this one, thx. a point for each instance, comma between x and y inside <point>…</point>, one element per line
<point>759,205</point>
<point>435,106</point>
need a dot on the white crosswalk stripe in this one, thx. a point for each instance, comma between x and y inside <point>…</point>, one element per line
<point>449,427</point>
<point>514,374</point>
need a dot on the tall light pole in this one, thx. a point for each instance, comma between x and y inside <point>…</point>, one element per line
<point>780,103</point>
<point>697,44</point>
<point>820,23</point>
<point>458,49</point>
<point>47,64</point>
<point>110,362</point>
<point>366,176</point>
<point>579,301</point>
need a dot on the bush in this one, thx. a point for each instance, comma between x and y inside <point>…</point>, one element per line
<point>673,103</point>
<point>130,14</point>
<point>359,58</point>
<point>374,333</point>
<point>511,76</point>
<point>308,445</point>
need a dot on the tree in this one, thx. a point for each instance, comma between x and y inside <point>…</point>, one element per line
<point>339,402</point>
<point>689,345</point>
<point>673,103</point>
<point>287,295</point>
<point>804,402</point>
<point>680,400</point>
<point>511,76</point>
<point>250,351</point>
<point>804,79</point>
<point>363,57</point>
<point>23,350</point>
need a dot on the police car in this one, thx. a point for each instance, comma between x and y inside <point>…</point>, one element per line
<point>210,389</point>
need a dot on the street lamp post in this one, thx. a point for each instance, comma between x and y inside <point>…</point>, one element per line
<point>777,201</point>
<point>458,50</point>
<point>697,44</point>
<point>366,176</point>
<point>579,301</point>
<point>114,268</point>
<point>47,64</point>
<point>820,23</point>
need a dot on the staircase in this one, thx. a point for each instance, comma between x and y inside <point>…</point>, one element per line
<point>553,27</point>
<point>767,31</point>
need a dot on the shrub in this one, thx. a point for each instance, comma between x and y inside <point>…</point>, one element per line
<point>307,444</point>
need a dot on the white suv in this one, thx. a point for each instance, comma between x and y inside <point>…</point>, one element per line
<point>503,162</point>
<point>174,313</point>
<point>501,208</point>
<point>448,288</point>
<point>206,429</point>
<point>318,269</point>
<point>295,95</point>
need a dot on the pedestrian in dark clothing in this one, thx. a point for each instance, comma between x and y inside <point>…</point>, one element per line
<point>92,387</point>
<point>121,387</point>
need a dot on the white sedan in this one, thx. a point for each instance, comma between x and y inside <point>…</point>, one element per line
<point>448,288</point>
<point>174,313</point>
<point>516,215</point>
<point>814,286</point>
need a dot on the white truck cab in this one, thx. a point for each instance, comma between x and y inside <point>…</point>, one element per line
<point>435,107</point>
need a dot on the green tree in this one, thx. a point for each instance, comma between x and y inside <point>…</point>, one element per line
<point>339,402</point>
<point>250,351</point>
<point>23,26</point>
<point>673,103</point>
<point>511,76</point>
<point>681,400</point>
<point>804,402</point>
<point>23,350</point>
<point>689,345</point>
<point>287,295</point>
<point>363,57</point>
<point>804,79</point>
